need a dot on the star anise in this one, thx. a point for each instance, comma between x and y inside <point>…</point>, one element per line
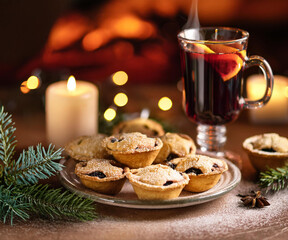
<point>255,199</point>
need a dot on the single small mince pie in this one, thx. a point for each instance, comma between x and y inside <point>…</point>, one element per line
<point>204,172</point>
<point>101,175</point>
<point>156,182</point>
<point>135,150</point>
<point>268,150</point>
<point>148,127</point>
<point>86,148</point>
<point>175,145</point>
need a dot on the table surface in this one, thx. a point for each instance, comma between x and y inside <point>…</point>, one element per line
<point>224,218</point>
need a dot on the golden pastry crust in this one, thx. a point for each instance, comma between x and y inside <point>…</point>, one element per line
<point>86,148</point>
<point>133,149</point>
<point>148,127</point>
<point>271,142</point>
<point>204,172</point>
<point>101,175</point>
<point>175,145</point>
<point>266,151</point>
<point>156,182</point>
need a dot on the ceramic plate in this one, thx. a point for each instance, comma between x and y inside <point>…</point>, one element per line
<point>127,197</point>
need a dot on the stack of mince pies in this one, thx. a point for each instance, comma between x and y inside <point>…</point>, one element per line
<point>158,165</point>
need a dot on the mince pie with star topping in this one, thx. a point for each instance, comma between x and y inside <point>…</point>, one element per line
<point>204,172</point>
<point>86,148</point>
<point>175,145</point>
<point>101,175</point>
<point>156,182</point>
<point>148,127</point>
<point>135,150</point>
<point>268,150</point>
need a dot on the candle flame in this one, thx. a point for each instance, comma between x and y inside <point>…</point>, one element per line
<point>71,84</point>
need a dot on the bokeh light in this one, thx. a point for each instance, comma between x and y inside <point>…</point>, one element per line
<point>23,88</point>
<point>109,114</point>
<point>165,104</point>
<point>121,99</point>
<point>120,78</point>
<point>33,82</point>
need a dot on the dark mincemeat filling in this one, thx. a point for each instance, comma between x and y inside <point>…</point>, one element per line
<point>97,174</point>
<point>172,156</point>
<point>194,170</point>
<point>268,150</point>
<point>168,183</point>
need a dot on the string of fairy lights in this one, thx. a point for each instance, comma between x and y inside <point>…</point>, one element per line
<point>119,78</point>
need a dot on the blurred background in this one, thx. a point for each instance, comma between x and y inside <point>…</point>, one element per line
<point>93,40</point>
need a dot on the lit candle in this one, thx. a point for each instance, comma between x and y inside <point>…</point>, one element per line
<point>71,111</point>
<point>276,110</point>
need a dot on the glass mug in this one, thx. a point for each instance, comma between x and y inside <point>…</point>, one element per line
<point>212,61</point>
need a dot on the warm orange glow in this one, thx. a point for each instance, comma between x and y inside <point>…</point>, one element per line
<point>23,88</point>
<point>130,26</point>
<point>33,82</point>
<point>95,39</point>
<point>166,8</point>
<point>71,84</point>
<point>67,31</point>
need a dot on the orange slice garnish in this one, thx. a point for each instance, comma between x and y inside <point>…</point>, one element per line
<point>202,48</point>
<point>230,64</point>
<point>229,59</point>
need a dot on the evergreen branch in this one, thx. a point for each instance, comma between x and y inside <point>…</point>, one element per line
<point>274,179</point>
<point>11,205</point>
<point>7,138</point>
<point>57,204</point>
<point>34,165</point>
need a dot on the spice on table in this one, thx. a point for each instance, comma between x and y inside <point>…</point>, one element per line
<point>255,199</point>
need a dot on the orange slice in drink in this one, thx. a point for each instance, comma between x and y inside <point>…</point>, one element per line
<point>202,48</point>
<point>230,60</point>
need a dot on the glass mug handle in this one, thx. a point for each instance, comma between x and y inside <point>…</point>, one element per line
<point>268,74</point>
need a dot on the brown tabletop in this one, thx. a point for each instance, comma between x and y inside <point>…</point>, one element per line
<point>224,218</point>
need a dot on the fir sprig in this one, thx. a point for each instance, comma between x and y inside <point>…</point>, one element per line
<point>55,203</point>
<point>34,165</point>
<point>20,193</point>
<point>274,179</point>
<point>7,138</point>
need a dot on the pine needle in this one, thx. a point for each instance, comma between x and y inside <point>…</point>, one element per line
<point>7,138</point>
<point>56,203</point>
<point>11,205</point>
<point>20,193</point>
<point>34,165</point>
<point>274,179</point>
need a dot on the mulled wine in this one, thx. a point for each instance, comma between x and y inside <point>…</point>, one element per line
<point>212,83</point>
<point>213,60</point>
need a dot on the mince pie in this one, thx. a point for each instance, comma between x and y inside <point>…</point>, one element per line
<point>87,147</point>
<point>156,182</point>
<point>175,145</point>
<point>204,172</point>
<point>135,150</point>
<point>266,151</point>
<point>148,127</point>
<point>101,175</point>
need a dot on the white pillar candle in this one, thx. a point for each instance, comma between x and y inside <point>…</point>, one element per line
<point>71,111</point>
<point>276,110</point>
